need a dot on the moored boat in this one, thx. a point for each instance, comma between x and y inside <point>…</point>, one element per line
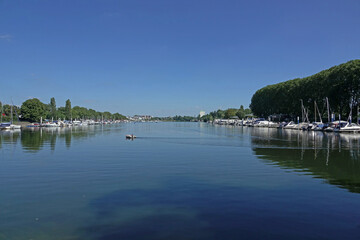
<point>350,128</point>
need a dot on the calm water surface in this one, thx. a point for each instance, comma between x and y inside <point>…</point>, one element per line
<point>178,181</point>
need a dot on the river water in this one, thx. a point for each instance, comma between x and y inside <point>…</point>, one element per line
<point>178,181</point>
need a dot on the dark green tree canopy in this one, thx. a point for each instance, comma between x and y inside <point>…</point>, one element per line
<point>341,84</point>
<point>230,112</point>
<point>68,109</point>
<point>33,109</point>
<point>53,108</point>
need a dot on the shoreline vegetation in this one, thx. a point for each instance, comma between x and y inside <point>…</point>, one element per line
<point>339,84</point>
<point>33,110</point>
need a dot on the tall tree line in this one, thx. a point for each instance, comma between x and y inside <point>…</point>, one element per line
<point>340,84</point>
<point>33,109</point>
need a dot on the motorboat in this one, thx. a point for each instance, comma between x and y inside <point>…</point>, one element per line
<point>350,127</point>
<point>335,126</point>
<point>50,124</point>
<point>291,125</point>
<point>130,136</point>
<point>263,123</point>
<point>318,126</point>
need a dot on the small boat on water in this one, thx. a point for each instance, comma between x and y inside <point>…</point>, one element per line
<point>130,136</point>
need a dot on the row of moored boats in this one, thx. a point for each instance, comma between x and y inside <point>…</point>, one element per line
<point>335,126</point>
<point>67,123</point>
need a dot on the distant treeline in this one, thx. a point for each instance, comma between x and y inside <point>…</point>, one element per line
<point>176,119</point>
<point>340,84</point>
<point>241,113</point>
<point>33,109</point>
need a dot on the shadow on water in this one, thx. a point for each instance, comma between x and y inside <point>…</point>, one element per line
<point>183,210</point>
<point>329,156</point>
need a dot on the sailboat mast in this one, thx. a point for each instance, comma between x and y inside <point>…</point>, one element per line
<point>319,113</point>
<point>315,110</point>
<point>11,113</point>
<point>350,115</point>
<point>302,110</point>
<point>328,108</point>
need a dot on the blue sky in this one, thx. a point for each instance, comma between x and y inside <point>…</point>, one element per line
<point>167,57</point>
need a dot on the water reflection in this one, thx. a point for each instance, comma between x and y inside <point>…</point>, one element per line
<point>9,137</point>
<point>34,139</point>
<point>330,156</point>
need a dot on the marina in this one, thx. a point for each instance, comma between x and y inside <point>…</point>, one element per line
<point>336,126</point>
<point>178,180</point>
<point>179,120</point>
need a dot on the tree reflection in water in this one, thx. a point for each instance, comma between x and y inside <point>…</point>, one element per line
<point>330,156</point>
<point>34,139</point>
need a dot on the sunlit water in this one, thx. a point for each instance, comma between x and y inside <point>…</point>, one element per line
<point>178,181</point>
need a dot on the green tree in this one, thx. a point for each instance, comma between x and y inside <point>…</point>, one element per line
<point>231,112</point>
<point>61,113</point>
<point>80,113</point>
<point>93,114</point>
<point>118,116</point>
<point>107,115</point>
<point>341,84</point>
<point>33,109</point>
<point>241,112</point>
<point>53,108</point>
<point>68,109</point>
<point>220,114</point>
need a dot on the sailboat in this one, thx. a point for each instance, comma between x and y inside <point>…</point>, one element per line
<point>304,125</point>
<point>4,126</point>
<point>333,126</point>
<point>13,126</point>
<point>317,126</point>
<point>350,127</point>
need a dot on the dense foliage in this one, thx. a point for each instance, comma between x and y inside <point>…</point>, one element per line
<point>33,110</point>
<point>53,108</point>
<point>340,84</point>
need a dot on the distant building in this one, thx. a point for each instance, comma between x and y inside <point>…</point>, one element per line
<point>202,113</point>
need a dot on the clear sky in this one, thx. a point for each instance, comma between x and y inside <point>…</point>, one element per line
<point>167,57</point>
